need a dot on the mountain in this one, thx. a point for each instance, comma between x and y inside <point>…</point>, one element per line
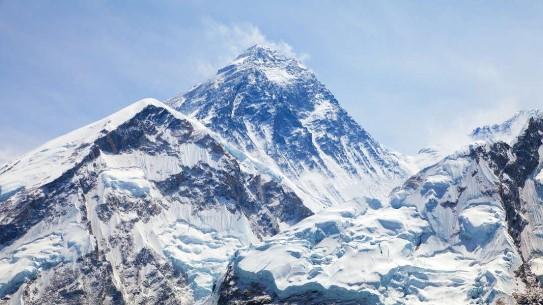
<point>506,131</point>
<point>143,207</point>
<point>256,187</point>
<point>273,108</point>
<point>148,205</point>
<point>466,230</point>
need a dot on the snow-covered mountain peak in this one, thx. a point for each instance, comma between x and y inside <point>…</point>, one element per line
<point>260,53</point>
<point>273,108</point>
<point>274,65</point>
<point>50,160</point>
<point>507,130</point>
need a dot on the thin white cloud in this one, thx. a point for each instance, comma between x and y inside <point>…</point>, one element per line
<point>449,134</point>
<point>8,154</point>
<point>15,144</point>
<point>234,38</point>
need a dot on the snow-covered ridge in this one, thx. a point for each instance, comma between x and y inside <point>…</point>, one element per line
<point>142,195</point>
<point>508,130</point>
<point>50,160</point>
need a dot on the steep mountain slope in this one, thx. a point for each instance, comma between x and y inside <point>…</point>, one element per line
<point>464,231</point>
<point>275,109</point>
<point>142,207</point>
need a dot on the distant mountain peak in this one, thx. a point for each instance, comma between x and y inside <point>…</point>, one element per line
<point>265,63</point>
<point>265,53</point>
<point>507,130</point>
<point>260,51</point>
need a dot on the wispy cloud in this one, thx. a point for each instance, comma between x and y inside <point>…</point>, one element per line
<point>233,38</point>
<point>450,133</point>
<point>15,145</point>
<point>6,155</point>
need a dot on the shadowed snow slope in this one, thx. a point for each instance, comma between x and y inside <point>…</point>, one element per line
<point>142,207</point>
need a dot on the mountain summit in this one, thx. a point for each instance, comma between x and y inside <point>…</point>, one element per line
<point>278,67</point>
<point>275,109</point>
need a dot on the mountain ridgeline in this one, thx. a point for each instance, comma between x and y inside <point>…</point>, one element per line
<point>257,187</point>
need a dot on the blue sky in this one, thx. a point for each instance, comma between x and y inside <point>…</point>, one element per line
<point>413,73</point>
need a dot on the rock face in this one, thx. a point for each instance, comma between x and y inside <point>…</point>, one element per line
<point>143,207</point>
<point>464,231</point>
<point>273,108</point>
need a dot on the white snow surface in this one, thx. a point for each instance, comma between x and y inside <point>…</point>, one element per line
<point>278,76</point>
<point>45,245</point>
